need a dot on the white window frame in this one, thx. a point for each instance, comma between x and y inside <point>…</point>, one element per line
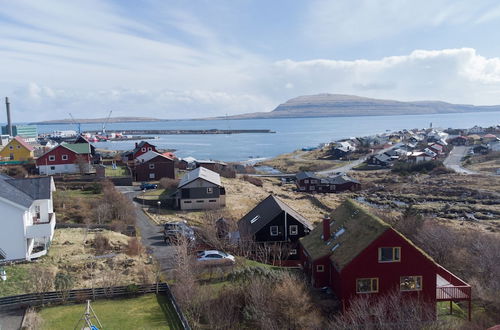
<point>293,229</point>
<point>210,190</point>
<point>320,268</point>
<point>64,157</point>
<point>306,181</point>
<point>151,166</point>
<point>151,175</point>
<point>52,158</point>
<point>150,149</point>
<point>274,231</point>
<point>143,149</point>
<point>293,252</point>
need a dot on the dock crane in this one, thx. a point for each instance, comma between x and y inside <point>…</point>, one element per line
<point>79,125</point>
<point>105,122</point>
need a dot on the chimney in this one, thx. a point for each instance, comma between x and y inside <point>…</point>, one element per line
<point>326,228</point>
<point>9,122</point>
<point>136,144</point>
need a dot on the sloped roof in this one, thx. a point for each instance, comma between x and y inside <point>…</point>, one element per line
<point>263,213</point>
<point>25,191</point>
<point>146,157</point>
<point>23,143</point>
<point>305,175</point>
<point>200,173</point>
<point>79,148</point>
<point>361,229</point>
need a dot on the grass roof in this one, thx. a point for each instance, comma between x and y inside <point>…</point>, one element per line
<point>360,227</point>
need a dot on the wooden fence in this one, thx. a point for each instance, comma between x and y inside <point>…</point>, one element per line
<point>81,295</point>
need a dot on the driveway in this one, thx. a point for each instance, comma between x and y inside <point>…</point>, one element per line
<point>454,160</point>
<point>11,320</point>
<point>151,233</point>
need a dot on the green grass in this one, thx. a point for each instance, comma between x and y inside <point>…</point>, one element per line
<point>81,193</point>
<point>17,275</point>
<point>145,312</point>
<point>155,194</point>
<point>119,171</point>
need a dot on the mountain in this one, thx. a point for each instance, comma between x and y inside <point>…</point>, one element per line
<point>338,105</point>
<point>97,120</point>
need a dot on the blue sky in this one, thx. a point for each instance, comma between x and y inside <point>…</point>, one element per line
<point>187,59</point>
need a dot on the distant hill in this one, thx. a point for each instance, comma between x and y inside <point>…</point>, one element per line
<point>97,120</point>
<point>338,105</point>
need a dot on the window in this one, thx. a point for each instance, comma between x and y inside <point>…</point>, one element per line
<point>314,181</point>
<point>212,201</point>
<point>366,285</point>
<point>302,188</point>
<point>273,230</point>
<point>312,187</point>
<point>320,268</point>
<point>389,254</point>
<point>52,168</point>
<point>410,283</point>
<point>52,158</point>
<point>151,166</point>
<point>294,230</point>
<point>199,201</point>
<point>187,202</point>
<point>306,181</point>
<point>149,149</point>
<point>18,147</point>
<point>293,252</point>
<point>64,157</point>
<point>210,190</point>
<point>151,175</point>
<point>332,187</point>
<point>143,149</point>
<point>11,147</point>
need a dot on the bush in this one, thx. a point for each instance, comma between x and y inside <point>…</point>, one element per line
<point>134,247</point>
<point>228,172</point>
<point>253,180</point>
<point>101,244</point>
<point>405,168</point>
<point>168,183</point>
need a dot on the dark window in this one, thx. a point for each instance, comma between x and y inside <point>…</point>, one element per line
<point>294,230</point>
<point>199,201</point>
<point>187,202</point>
<point>273,230</point>
<point>212,200</point>
<point>389,254</point>
<point>53,168</point>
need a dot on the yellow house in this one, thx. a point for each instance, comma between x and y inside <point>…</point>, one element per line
<point>16,150</point>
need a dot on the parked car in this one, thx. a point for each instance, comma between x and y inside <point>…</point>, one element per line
<point>174,231</point>
<point>147,186</point>
<point>215,257</point>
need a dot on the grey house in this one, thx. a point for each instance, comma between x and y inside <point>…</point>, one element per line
<point>200,189</point>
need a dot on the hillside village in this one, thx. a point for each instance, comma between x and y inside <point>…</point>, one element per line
<point>396,216</point>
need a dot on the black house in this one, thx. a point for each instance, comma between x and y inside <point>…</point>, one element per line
<point>272,221</point>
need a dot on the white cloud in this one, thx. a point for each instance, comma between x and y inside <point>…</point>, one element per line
<point>342,22</point>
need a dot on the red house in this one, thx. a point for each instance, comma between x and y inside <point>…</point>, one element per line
<point>66,158</point>
<point>140,148</point>
<point>153,166</point>
<point>356,253</point>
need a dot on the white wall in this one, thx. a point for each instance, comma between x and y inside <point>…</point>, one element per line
<point>66,168</point>
<point>12,239</point>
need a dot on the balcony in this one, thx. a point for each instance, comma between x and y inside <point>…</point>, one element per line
<point>450,288</point>
<point>41,229</point>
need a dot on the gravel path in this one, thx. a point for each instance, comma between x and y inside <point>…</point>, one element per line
<point>454,160</point>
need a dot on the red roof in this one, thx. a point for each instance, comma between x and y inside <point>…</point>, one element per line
<point>169,154</point>
<point>488,136</point>
<point>23,143</point>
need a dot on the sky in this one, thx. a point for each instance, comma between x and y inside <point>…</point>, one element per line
<point>192,59</point>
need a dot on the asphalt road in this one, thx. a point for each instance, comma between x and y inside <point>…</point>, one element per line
<point>454,160</point>
<point>11,320</point>
<point>151,234</point>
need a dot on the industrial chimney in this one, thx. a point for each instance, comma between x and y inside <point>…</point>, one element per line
<point>9,122</point>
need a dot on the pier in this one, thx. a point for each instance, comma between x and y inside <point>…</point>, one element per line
<point>188,131</point>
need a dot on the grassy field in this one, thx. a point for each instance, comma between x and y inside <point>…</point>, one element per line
<point>119,171</point>
<point>145,312</point>
<point>301,161</point>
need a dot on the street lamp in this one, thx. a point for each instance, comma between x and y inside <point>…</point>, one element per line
<point>158,206</point>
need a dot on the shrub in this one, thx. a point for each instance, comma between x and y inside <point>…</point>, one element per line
<point>253,180</point>
<point>405,168</point>
<point>134,246</point>
<point>101,244</point>
<point>168,183</point>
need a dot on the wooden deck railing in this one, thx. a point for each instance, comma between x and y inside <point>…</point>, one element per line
<point>454,293</point>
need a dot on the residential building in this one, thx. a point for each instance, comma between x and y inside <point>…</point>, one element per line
<point>140,148</point>
<point>187,163</point>
<point>213,165</point>
<point>200,189</point>
<point>28,132</point>
<point>309,182</point>
<point>28,218</point>
<point>459,140</point>
<point>153,166</point>
<point>4,139</point>
<point>17,150</point>
<point>273,221</point>
<point>356,254</point>
<point>66,158</point>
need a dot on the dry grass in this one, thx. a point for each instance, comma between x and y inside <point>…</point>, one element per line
<point>298,161</point>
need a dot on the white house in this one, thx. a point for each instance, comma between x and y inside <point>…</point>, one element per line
<point>27,217</point>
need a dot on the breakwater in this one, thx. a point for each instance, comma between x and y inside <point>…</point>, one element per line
<point>190,131</point>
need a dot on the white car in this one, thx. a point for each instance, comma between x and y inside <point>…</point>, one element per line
<point>215,256</point>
